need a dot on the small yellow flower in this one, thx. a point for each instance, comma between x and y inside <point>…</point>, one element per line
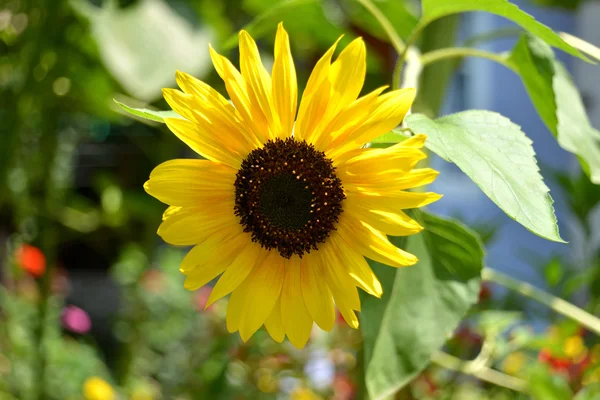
<point>288,202</point>
<point>303,394</point>
<point>574,346</point>
<point>514,363</point>
<point>96,388</point>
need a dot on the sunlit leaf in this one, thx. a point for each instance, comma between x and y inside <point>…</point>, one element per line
<point>558,101</point>
<point>498,157</point>
<point>144,44</point>
<point>421,304</point>
<point>434,9</point>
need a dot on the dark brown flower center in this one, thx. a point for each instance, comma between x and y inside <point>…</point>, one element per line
<point>288,196</point>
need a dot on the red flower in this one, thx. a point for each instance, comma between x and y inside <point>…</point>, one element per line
<point>31,259</point>
<point>343,387</point>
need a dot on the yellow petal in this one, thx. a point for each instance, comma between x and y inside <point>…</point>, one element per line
<point>395,223</point>
<point>170,211</point>
<point>258,83</point>
<point>297,322</point>
<point>191,183</point>
<point>214,250</point>
<point>329,133</point>
<point>337,278</point>
<point>327,255</point>
<point>274,324</point>
<point>349,315</point>
<point>391,182</point>
<point>208,105</point>
<point>285,86</point>
<point>315,97</point>
<point>264,288</point>
<point>416,141</point>
<point>182,225</point>
<point>317,296</point>
<point>236,88</point>
<point>390,111</point>
<point>357,267</point>
<point>202,90</point>
<point>401,199</point>
<point>239,269</point>
<point>204,143</point>
<point>202,266</point>
<point>235,307</point>
<point>213,119</point>
<point>347,75</point>
<point>364,165</point>
<point>372,243</point>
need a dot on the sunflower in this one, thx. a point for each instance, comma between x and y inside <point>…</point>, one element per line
<point>287,202</point>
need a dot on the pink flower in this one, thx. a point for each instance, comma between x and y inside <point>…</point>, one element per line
<point>201,298</point>
<point>76,320</point>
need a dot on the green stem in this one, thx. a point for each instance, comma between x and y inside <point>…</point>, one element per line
<point>459,52</point>
<point>396,75</point>
<point>385,23</point>
<point>484,373</point>
<point>409,42</point>
<point>497,34</point>
<point>557,304</point>
<point>45,285</point>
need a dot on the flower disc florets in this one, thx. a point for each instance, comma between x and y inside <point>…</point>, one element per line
<point>288,196</point>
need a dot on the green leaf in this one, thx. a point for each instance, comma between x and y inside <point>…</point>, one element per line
<point>554,271</point>
<point>305,21</point>
<point>494,322</point>
<point>557,101</point>
<point>144,44</point>
<point>434,9</point>
<point>589,392</point>
<point>152,115</point>
<point>390,138</point>
<point>498,157</point>
<point>399,12</point>
<point>544,385</point>
<point>421,305</point>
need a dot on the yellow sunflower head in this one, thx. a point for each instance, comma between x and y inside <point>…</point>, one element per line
<point>287,202</point>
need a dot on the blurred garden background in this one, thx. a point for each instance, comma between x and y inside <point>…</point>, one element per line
<point>118,323</point>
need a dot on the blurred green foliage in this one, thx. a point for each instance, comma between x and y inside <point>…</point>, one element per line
<point>71,176</point>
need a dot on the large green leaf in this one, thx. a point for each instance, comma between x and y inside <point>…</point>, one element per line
<point>434,9</point>
<point>543,384</point>
<point>498,157</point>
<point>557,101</point>
<point>421,305</point>
<point>305,21</point>
<point>143,45</point>
<point>399,12</point>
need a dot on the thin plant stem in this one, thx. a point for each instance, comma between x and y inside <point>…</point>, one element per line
<point>557,304</point>
<point>493,35</point>
<point>45,285</point>
<point>385,23</point>
<point>484,373</point>
<point>460,52</point>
